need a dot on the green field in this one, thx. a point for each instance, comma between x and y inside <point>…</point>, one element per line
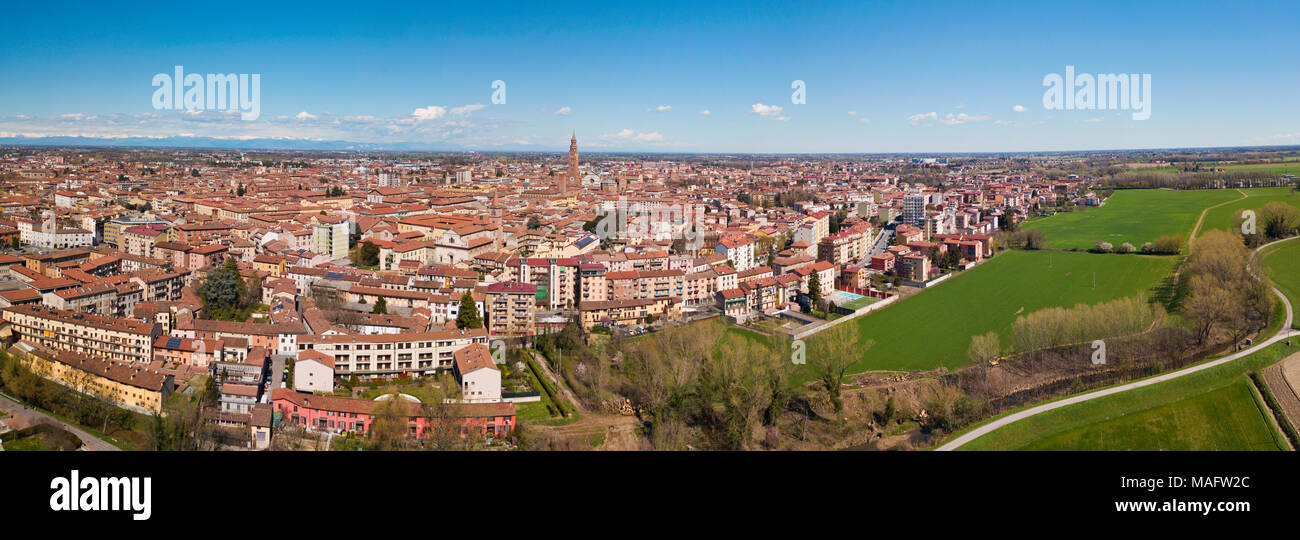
<point>1208,410</point>
<point>1225,418</point>
<point>1283,263</point>
<point>1271,168</point>
<point>934,327</point>
<point>1225,217</point>
<point>1135,216</point>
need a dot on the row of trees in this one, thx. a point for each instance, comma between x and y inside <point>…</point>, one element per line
<point>1170,244</point>
<point>1057,326</point>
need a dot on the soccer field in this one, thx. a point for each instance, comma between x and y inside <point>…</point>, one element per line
<point>1135,216</point>
<point>934,327</point>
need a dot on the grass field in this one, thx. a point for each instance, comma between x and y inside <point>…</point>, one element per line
<point>1283,263</point>
<point>1135,216</point>
<point>1225,418</point>
<point>1208,410</point>
<point>1225,217</point>
<point>934,327</point>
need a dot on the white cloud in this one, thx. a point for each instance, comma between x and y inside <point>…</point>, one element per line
<point>950,120</point>
<point>304,116</point>
<point>467,109</point>
<point>1094,120</point>
<point>705,112</point>
<point>947,119</point>
<point>960,106</point>
<point>864,120</point>
<point>853,113</point>
<point>563,111</point>
<point>629,135</point>
<point>432,112</point>
<point>924,117</point>
<point>782,118</point>
<point>1019,108</point>
<point>765,110</point>
<point>661,108</point>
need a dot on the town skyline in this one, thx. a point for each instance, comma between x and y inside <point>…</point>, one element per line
<point>971,82</point>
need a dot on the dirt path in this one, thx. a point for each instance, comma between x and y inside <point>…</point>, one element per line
<point>620,431</point>
<point>1283,379</point>
<point>1197,229</point>
<point>559,383</point>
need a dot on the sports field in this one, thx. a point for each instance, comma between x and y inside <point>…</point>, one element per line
<point>934,327</point>
<point>1208,410</point>
<point>1135,216</point>
<point>1225,217</point>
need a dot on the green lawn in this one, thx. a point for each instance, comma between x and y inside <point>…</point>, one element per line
<point>1207,410</point>
<point>934,327</point>
<point>1135,216</point>
<point>1225,217</point>
<point>28,444</point>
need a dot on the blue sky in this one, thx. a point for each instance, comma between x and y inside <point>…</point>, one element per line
<point>638,76</point>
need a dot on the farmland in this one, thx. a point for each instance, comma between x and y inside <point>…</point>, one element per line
<point>1134,216</point>
<point>1283,263</point>
<point>1225,217</point>
<point>1208,410</point>
<point>934,327</point>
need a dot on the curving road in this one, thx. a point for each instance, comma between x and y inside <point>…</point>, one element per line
<point>1285,332</point>
<point>92,442</point>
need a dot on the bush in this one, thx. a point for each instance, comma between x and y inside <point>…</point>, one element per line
<point>1148,248</point>
<point>1126,248</point>
<point>1103,247</point>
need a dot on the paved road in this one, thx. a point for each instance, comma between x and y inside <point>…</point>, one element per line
<point>92,442</point>
<point>1284,333</point>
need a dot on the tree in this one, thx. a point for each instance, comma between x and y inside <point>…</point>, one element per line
<point>1169,244</point>
<point>1278,219</point>
<point>221,290</point>
<point>389,430</point>
<point>534,223</point>
<point>830,357</point>
<point>984,348</point>
<point>241,190</point>
<point>367,254</point>
<point>15,243</point>
<point>468,316</point>
<point>381,307</point>
<point>814,288</point>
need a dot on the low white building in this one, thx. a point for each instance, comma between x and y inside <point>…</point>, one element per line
<point>480,380</point>
<point>313,372</point>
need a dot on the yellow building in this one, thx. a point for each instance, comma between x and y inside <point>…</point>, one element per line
<point>111,338</point>
<point>130,387</point>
